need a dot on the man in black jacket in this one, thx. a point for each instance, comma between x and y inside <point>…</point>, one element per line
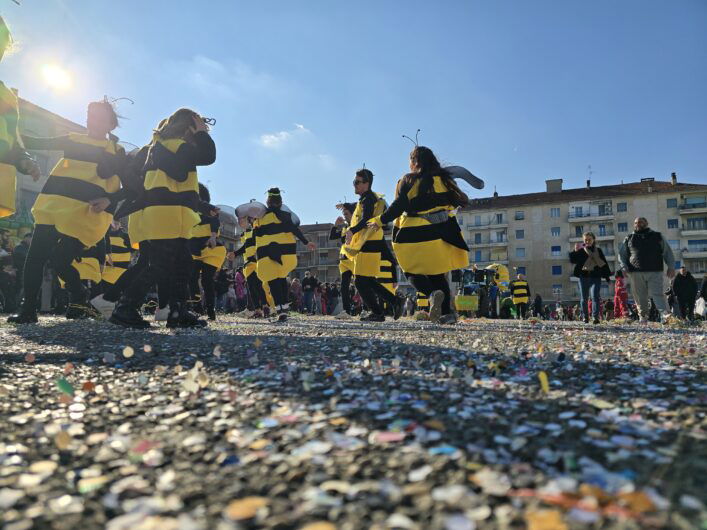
<point>644,255</point>
<point>685,290</point>
<point>309,284</point>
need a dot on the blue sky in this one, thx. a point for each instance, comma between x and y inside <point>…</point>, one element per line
<point>305,92</point>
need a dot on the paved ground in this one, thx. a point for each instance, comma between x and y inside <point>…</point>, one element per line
<point>395,425</point>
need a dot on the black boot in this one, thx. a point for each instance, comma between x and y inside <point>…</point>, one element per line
<point>25,316</point>
<point>180,317</point>
<point>80,311</point>
<point>398,308</point>
<point>127,316</point>
<point>211,312</point>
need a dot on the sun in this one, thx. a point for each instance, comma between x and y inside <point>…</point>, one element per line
<point>56,77</point>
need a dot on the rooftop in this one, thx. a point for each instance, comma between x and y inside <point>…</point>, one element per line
<point>583,194</point>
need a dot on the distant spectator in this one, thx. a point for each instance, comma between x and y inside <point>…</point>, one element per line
<point>309,284</point>
<point>685,291</point>
<point>520,291</point>
<point>620,296</point>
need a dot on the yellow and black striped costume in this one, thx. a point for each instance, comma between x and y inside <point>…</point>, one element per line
<point>88,170</point>
<point>119,251</point>
<point>345,263</point>
<point>275,245</point>
<point>89,265</point>
<point>423,301</point>
<point>199,243</point>
<point>388,275</point>
<point>248,251</point>
<point>367,244</point>
<point>427,239</point>
<point>171,201</point>
<point>520,291</point>
<point>9,145</point>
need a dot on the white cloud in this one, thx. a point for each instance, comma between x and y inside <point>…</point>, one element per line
<point>278,140</point>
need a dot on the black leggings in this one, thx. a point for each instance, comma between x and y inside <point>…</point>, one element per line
<point>169,260</point>
<point>113,292</point>
<point>49,245</point>
<point>371,290</point>
<point>346,291</point>
<point>426,284</point>
<point>256,293</point>
<point>279,291</point>
<point>207,272</point>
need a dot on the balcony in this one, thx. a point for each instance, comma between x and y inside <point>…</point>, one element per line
<point>489,242</point>
<point>694,229</point>
<point>597,215</point>
<point>694,252</point>
<point>606,235</point>
<point>695,207</point>
<point>492,223</point>
<point>488,258</point>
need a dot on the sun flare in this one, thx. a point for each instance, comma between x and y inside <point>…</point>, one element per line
<point>56,77</point>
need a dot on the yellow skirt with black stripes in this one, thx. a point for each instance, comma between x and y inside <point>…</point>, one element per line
<point>212,256</point>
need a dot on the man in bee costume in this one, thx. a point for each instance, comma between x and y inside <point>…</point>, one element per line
<point>74,209</point>
<point>365,247</point>
<point>346,264</point>
<point>170,213</point>
<point>276,250</point>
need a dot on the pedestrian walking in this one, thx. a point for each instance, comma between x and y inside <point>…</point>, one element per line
<point>685,291</point>
<point>520,293</point>
<point>590,266</point>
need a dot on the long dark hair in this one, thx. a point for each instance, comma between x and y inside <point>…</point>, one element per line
<point>177,125</point>
<point>426,167</point>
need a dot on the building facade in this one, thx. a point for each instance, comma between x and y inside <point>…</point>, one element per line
<point>324,261</point>
<point>533,233</point>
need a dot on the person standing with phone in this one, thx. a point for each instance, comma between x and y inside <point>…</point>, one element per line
<point>590,267</point>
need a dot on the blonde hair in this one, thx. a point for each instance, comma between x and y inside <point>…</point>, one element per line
<point>590,234</point>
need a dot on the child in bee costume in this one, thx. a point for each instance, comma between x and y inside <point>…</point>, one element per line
<point>346,264</point>
<point>208,255</point>
<point>168,217</point>
<point>276,250</point>
<point>118,249</point>
<point>12,153</point>
<point>74,209</point>
<point>427,239</point>
<point>256,293</point>
<point>89,266</point>
<point>367,258</point>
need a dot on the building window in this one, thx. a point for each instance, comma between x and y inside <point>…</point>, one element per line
<point>477,255</point>
<point>520,234</point>
<point>555,231</point>
<point>671,203</point>
<point>557,289</point>
<point>477,220</point>
<point>622,227</point>
<point>520,252</point>
<point>460,220</point>
<point>520,215</point>
<point>554,212</point>
<point>674,244</point>
<point>697,223</point>
<point>499,218</point>
<point>602,230</point>
<point>520,270</point>
<point>621,207</point>
<point>672,223</point>
<point>578,230</point>
<point>557,270</point>
<point>678,264</point>
<point>556,250</point>
<point>477,238</point>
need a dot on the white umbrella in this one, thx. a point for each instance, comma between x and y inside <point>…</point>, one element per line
<point>460,173</point>
<point>252,209</point>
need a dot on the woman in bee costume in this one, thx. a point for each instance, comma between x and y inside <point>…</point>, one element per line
<point>368,259</point>
<point>276,250</point>
<point>12,153</point>
<point>256,293</point>
<point>346,264</point>
<point>169,215</point>
<point>427,239</point>
<point>74,209</point>
<point>208,255</point>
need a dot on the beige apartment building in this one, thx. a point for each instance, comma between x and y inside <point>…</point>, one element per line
<point>324,261</point>
<point>533,233</point>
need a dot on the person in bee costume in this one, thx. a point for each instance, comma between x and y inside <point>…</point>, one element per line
<point>208,255</point>
<point>169,214</point>
<point>13,157</point>
<point>346,264</point>
<point>75,207</point>
<point>427,239</point>
<point>90,265</point>
<point>118,256</point>
<point>276,250</point>
<point>256,293</point>
<point>367,256</point>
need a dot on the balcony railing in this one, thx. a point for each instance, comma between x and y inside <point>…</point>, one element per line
<point>491,222</point>
<point>702,248</point>
<point>693,205</point>
<point>489,241</point>
<point>582,215</point>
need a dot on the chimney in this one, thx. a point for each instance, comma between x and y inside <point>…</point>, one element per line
<point>553,185</point>
<point>495,193</point>
<point>674,178</point>
<point>589,184</point>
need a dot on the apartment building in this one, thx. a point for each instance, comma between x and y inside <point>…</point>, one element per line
<point>533,233</point>
<point>324,261</point>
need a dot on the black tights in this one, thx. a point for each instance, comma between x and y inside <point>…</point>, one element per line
<point>371,290</point>
<point>113,292</point>
<point>206,271</point>
<point>427,283</point>
<point>346,291</point>
<point>169,260</point>
<point>279,291</point>
<point>49,245</point>
<point>255,291</point>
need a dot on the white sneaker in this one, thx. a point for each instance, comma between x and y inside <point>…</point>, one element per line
<point>436,299</point>
<point>161,314</point>
<point>343,316</point>
<point>104,307</point>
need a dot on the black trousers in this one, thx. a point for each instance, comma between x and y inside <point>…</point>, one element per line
<point>256,293</point>
<point>279,291</point>
<point>426,284</point>
<point>522,309</point>
<point>206,272</point>
<point>113,292</point>
<point>49,245</point>
<point>169,267</point>
<point>372,291</point>
<point>346,290</point>
<point>687,307</point>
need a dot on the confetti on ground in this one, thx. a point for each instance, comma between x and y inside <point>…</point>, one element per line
<point>321,424</point>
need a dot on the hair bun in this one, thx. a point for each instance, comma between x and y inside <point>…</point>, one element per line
<point>274,192</point>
